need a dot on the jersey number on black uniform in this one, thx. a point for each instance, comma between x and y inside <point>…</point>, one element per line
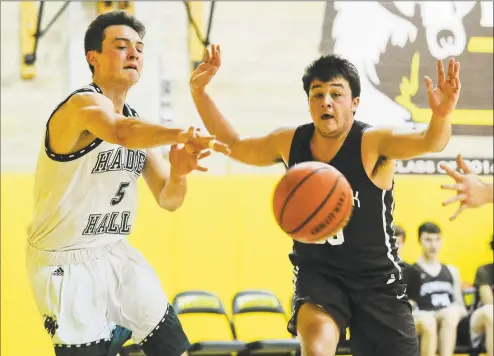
<point>338,239</point>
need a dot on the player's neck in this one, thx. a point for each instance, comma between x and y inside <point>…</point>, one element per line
<point>116,93</point>
<point>324,144</point>
<point>322,141</point>
<point>324,148</point>
<point>429,260</point>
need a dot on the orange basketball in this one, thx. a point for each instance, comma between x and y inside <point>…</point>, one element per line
<point>312,201</point>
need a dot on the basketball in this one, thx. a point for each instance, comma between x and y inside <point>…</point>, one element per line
<point>312,201</point>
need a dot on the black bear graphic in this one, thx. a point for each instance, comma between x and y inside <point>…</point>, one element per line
<point>51,325</point>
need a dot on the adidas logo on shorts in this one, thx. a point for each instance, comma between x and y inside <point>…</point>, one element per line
<point>58,272</point>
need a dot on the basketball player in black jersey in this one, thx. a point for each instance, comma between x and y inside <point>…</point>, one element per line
<point>355,282</point>
<point>435,289</point>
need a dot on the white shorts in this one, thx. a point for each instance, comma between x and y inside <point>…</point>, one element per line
<point>81,303</point>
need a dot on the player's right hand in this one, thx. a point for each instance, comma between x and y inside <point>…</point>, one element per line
<point>195,141</point>
<point>207,69</point>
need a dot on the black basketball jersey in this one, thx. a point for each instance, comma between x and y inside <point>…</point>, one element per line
<point>432,293</point>
<point>484,276</point>
<point>364,254</point>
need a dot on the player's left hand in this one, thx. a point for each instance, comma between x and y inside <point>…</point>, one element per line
<point>203,74</point>
<point>185,159</point>
<point>470,190</point>
<point>443,98</point>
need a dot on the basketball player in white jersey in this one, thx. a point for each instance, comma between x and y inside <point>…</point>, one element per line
<point>84,275</point>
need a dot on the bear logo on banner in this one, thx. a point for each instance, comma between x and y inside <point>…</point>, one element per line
<point>394,44</point>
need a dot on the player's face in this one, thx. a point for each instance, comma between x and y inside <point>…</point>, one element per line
<point>121,58</point>
<point>431,244</point>
<point>331,106</point>
<point>399,243</point>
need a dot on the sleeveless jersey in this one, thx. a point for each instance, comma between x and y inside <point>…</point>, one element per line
<point>434,293</point>
<point>87,198</point>
<point>364,253</point>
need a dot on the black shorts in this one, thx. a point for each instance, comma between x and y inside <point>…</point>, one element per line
<point>466,337</point>
<point>168,338</point>
<point>463,336</point>
<point>380,319</point>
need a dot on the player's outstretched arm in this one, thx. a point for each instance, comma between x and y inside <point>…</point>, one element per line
<point>263,151</point>
<point>471,192</point>
<point>167,182</point>
<point>404,143</point>
<point>95,113</point>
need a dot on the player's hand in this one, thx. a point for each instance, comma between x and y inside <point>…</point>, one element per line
<point>186,159</point>
<point>207,69</point>
<point>196,140</point>
<point>470,190</point>
<point>443,98</point>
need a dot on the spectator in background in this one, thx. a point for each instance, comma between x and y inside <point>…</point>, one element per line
<point>435,291</point>
<point>400,236</point>
<point>480,322</point>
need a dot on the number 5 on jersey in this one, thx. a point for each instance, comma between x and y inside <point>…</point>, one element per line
<point>119,195</point>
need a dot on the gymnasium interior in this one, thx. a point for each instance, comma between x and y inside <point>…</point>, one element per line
<point>221,258</point>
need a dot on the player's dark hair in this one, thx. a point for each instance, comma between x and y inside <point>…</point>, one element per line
<point>399,231</point>
<point>329,67</point>
<point>429,228</point>
<point>95,33</point>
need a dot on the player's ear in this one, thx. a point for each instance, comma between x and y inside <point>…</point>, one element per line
<point>92,58</point>
<point>355,103</point>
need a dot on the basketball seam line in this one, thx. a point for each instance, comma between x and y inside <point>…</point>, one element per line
<point>292,193</point>
<point>309,218</point>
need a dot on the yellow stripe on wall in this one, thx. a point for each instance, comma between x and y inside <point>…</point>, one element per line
<point>224,239</point>
<point>481,44</point>
<point>29,18</point>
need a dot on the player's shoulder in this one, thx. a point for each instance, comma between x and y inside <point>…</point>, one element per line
<point>73,109</point>
<point>281,139</point>
<point>283,132</point>
<point>302,131</point>
<point>281,136</point>
<point>87,98</point>
<point>453,269</point>
<point>363,126</point>
<point>377,131</point>
<point>489,268</point>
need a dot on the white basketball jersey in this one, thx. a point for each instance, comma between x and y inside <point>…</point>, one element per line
<point>87,198</point>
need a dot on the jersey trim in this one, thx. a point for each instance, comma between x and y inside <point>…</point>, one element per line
<point>70,156</point>
<point>128,111</point>
<point>387,238</point>
<point>75,155</point>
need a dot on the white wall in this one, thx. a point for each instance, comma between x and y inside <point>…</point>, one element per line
<point>265,46</point>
